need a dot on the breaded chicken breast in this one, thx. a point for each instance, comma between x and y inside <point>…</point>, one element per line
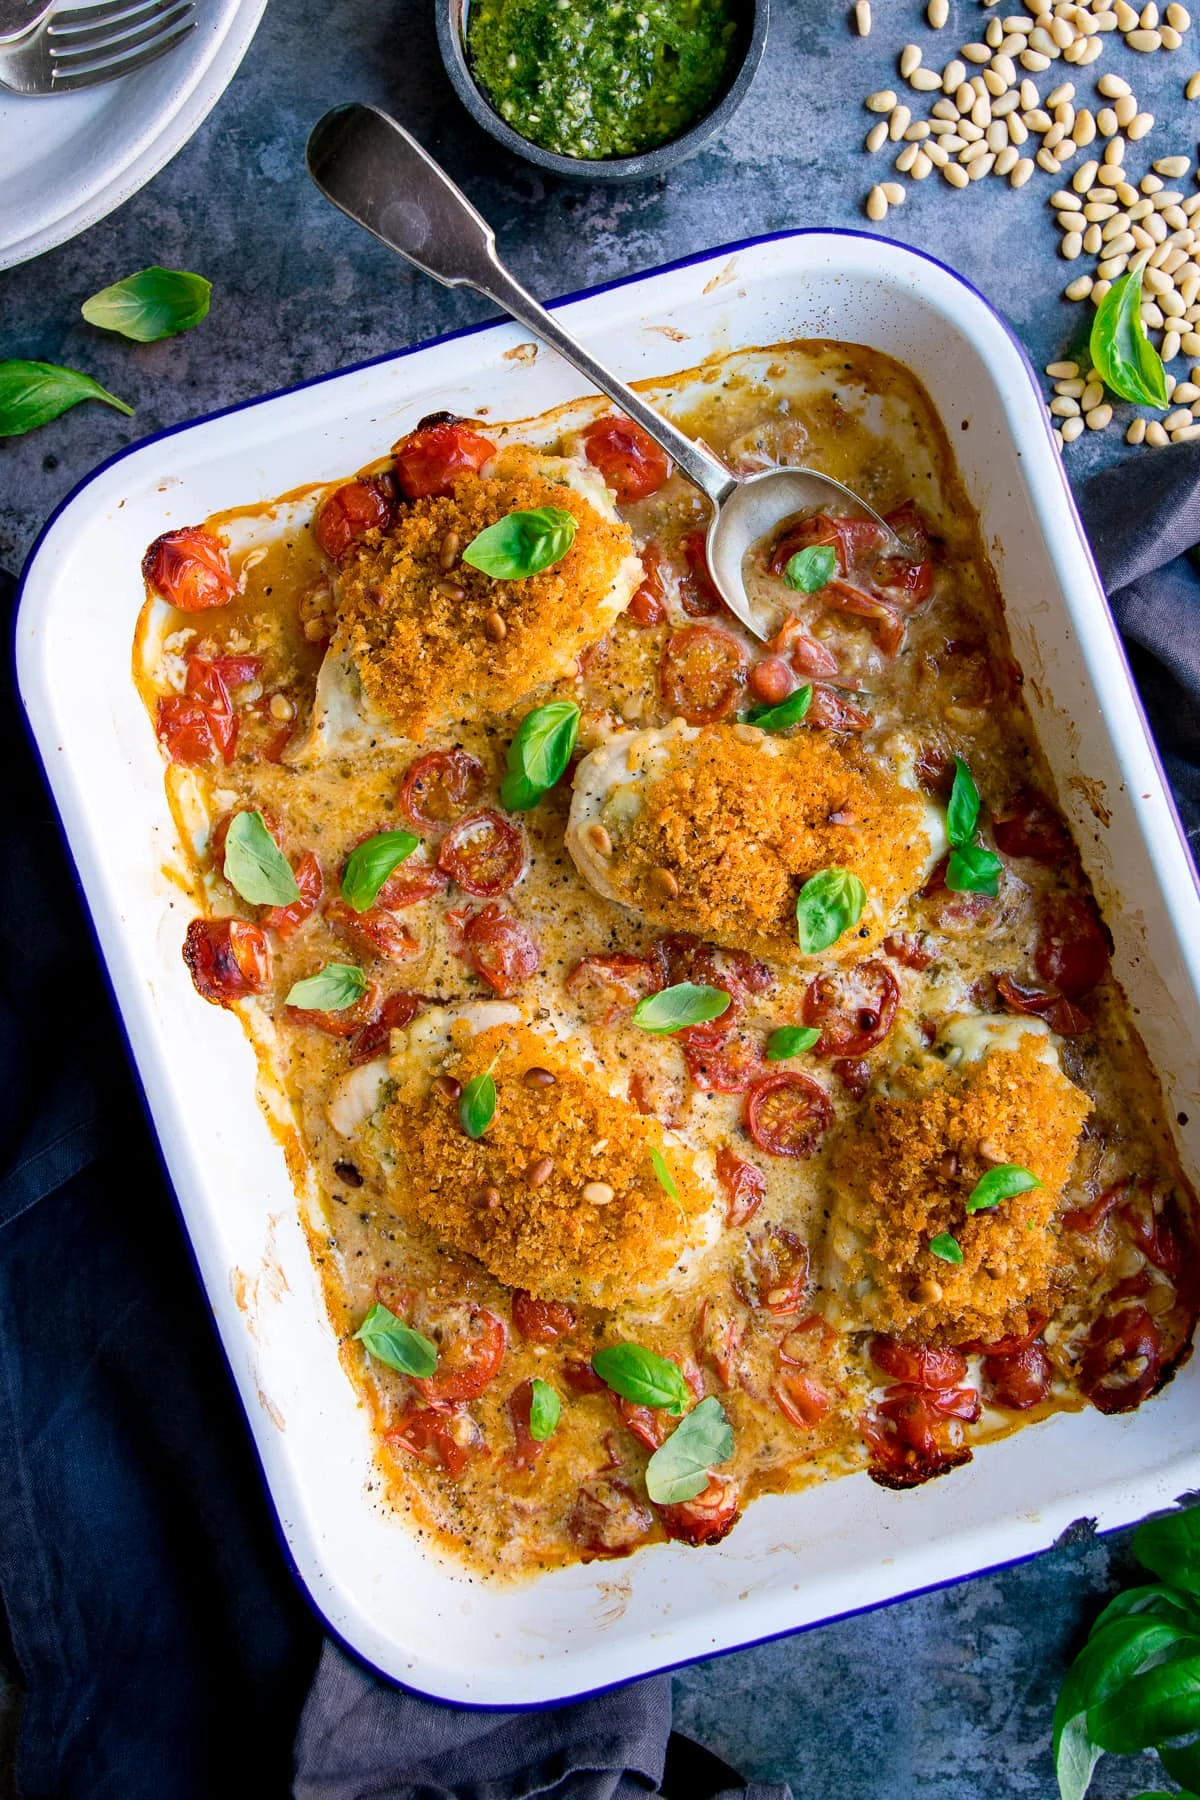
<point>715,829</point>
<point>991,1092</point>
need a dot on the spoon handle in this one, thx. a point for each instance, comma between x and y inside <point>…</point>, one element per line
<point>372,170</point>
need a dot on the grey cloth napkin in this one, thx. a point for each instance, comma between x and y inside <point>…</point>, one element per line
<point>360,1739</point>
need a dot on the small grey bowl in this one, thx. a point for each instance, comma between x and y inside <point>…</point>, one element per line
<point>452,34</point>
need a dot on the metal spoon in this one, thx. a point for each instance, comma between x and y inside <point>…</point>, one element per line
<point>371,169</point>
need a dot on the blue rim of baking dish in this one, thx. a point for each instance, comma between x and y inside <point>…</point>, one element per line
<point>466,331</point>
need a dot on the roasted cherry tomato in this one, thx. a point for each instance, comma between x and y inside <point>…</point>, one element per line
<point>374,1039</point>
<point>439,787</point>
<point>1123,1360</point>
<point>844,596</point>
<point>830,710</point>
<point>853,1009</point>
<point>526,1448</point>
<point>774,1271</point>
<point>698,593</point>
<point>1008,1345</point>
<point>854,1075</point>
<point>807,655</point>
<point>912,948</point>
<point>743,1183</point>
<point>851,539</point>
<point>771,680</point>
<point>685,957</point>
<point>444,1440</point>
<point>1060,1014</point>
<point>347,1021</point>
<point>541,1321</point>
<point>581,1378</point>
<point>720,1328</point>
<point>432,458</point>
<point>237,671</point>
<point>800,1398</point>
<point>919,1365</point>
<point>650,1425</point>
<point>701,673</point>
<point>656,1092</point>
<point>499,949</point>
<point>915,1433</point>
<point>1158,1234</point>
<point>628,457</point>
<point>412,883</point>
<point>190,569</point>
<point>607,988</point>
<point>787,1114</point>
<point>1028,825</point>
<point>608,1519</point>
<point>287,920</point>
<point>350,512</point>
<point>649,603</point>
<point>728,1066</point>
<point>1087,1218</point>
<point>227,959</point>
<point>1072,952</point>
<point>470,1343</point>
<point>906,579</point>
<point>184,729</point>
<point>1019,1381</point>
<point>374,932</point>
<point>484,853</point>
<point>708,1518</point>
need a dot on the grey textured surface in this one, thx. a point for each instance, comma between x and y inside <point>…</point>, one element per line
<point>947,1696</point>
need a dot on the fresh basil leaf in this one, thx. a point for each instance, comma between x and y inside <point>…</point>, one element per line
<point>539,753</point>
<point>1159,1703</point>
<point>1170,1547</point>
<point>545,1407</point>
<point>1182,1762</point>
<point>665,1178</point>
<point>523,543</point>
<point>155,303</point>
<point>827,906</point>
<point>782,717</point>
<point>33,393</point>
<point>946,1247</point>
<point>809,570</point>
<point>1001,1183</point>
<point>1108,1659</point>
<point>1163,1602</point>
<point>389,1340</point>
<point>1122,355</point>
<point>675,1008</point>
<point>255,866</point>
<point>477,1104</point>
<point>369,865</point>
<point>790,1040</point>
<point>331,989</point>
<point>973,870</point>
<point>681,1468</point>
<point>641,1376</point>
<point>962,814</point>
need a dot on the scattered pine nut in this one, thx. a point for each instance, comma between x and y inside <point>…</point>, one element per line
<point>1006,160</point>
<point>1071,245</point>
<point>1112,86</point>
<point>953,76</point>
<point>1173,167</point>
<point>1143,40</point>
<point>918,131</point>
<point>877,205</point>
<point>1176,420</point>
<point>921,166</point>
<point>862,17</point>
<point>976,53</point>
<point>1171,345</point>
<point>925,81</point>
<point>1192,90</point>
<point>882,102</point>
<point>1071,429</point>
<point>899,122</point>
<point>937,12</point>
<point>893,192</point>
<point>1084,177</point>
<point>1079,289</point>
<point>1092,240</point>
<point>906,159</point>
<point>1140,125</point>
<point>910,59</point>
<point>1189,343</point>
<point>1020,173</point>
<point>1155,434</point>
<point>1127,16</point>
<point>1091,396</point>
<point>1099,417</point>
<point>877,136</point>
<point>1178,16</point>
<point>1136,432</point>
<point>1170,38</point>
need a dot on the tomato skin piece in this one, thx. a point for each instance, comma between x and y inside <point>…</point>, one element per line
<point>348,513</point>
<point>1059,1013</point>
<point>787,1114</point>
<point>1087,1218</point>
<point>237,671</point>
<point>1109,1374</point>
<point>743,1183</point>
<point>649,603</point>
<point>226,959</point>
<point>1008,1345</point>
<point>374,1038</point>
<point>720,1328</point>
<point>425,1432</point>
<point>1028,825</point>
<point>608,1520</point>
<point>829,710</point>
<point>190,569</point>
<point>801,1400</point>
<point>438,787</point>
<point>1158,1235</point>
<point>853,1074</point>
<point>707,1519</point>
<point>428,461</point>
<point>630,461</point>
<point>1019,1381</point>
<point>919,1366</point>
<point>606,988</point>
<point>854,1009</point>
<point>410,885</point>
<point>466,1365</point>
<point>701,673</point>
<point>850,538</point>
<point>184,730</point>
<point>373,932</point>
<point>581,1378</point>
<point>698,593</point>
<point>484,854</point>
<point>1073,951</point>
<point>911,948</point>
<point>888,620</point>
<point>346,1023</point>
<point>287,920</point>
<point>807,655</point>
<point>775,1271</point>
<point>499,949</point>
<point>541,1321</point>
<point>729,1066</point>
<point>526,1448</point>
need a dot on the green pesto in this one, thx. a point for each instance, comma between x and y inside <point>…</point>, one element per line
<point>599,78</point>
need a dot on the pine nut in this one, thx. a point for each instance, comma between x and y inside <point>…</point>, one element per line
<point>1140,124</point>
<point>1174,216</point>
<point>1053,138</point>
<point>1063,407</point>
<point>1114,227</point>
<point>925,81</point>
<point>921,166</point>
<point>1018,131</point>
<point>450,589</point>
<point>1176,420</point>
<point>983,165</point>
<point>1126,110</point>
<point>1178,16</point>
<point>600,840</point>
<point>1171,345</point>
<point>893,193</point>
<point>910,59</point>
<point>1006,160</point>
<point>1141,210</point>
<point>1019,23</point>
<point>1066,200</point>
<point>1072,245</point>
<point>1062,32</point>
<point>981,112</point>
<point>937,12</point>
<point>1127,16</point>
<point>1106,122</point>
<point>994,35</point>
<point>1092,240</point>
<point>1126,193</point>
<point>1071,429</point>
<point>1112,87</point>
<point>935,154</point>
<point>899,122</point>
<point>1034,61</point>
<point>1064,91</point>
<point>1020,173</point>
<point>877,205</point>
<point>964,97</point>
<point>1145,41</point>
<point>862,17</point>
<point>1040,39</point>
<point>665,882</point>
<point>1192,90</point>
<point>1155,434</point>
<point>1148,17</point>
<point>494,628</point>
<point>906,158</point>
<point>1104,21</point>
<point>1111,267</point>
<point>956,175</point>
<point>877,136</point>
<point>1084,177</point>
<point>1173,305</point>
<point>1091,396</point>
<point>1169,38</point>
<point>1136,432</point>
<point>1155,282</point>
<point>1114,153</point>
<point>1098,210</point>
<point>1099,289</point>
<point>1006,69</point>
<point>1037,120</point>
<point>1150,184</point>
<point>1189,343</point>
<point>1099,417</point>
<point>996,136</point>
<point>976,53</point>
<point>1079,289</point>
<point>969,131</point>
<point>917,132</point>
<point>1122,245</point>
<point>1187,436</point>
<point>1185,392</point>
<point>1048,162</point>
<point>1152,317</point>
<point>881,102</point>
<point>1174,167</point>
<point>598,1193</point>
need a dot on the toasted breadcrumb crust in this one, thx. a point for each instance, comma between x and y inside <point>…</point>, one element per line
<point>902,1172</point>
<point>741,821</point>
<point>547,1236</point>
<point>425,658</point>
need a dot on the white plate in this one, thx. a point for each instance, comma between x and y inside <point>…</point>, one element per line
<point>68,160</point>
<point>794,1559</point>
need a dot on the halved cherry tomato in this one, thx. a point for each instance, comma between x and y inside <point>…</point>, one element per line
<point>649,603</point>
<point>1060,1014</point>
<point>854,1009</point>
<point>526,1448</point>
<point>801,1399</point>
<point>1007,1345</point>
<point>374,932</point>
<point>608,1519</point>
<point>807,655</point>
<point>1158,1235</point>
<point>374,1039</point>
<point>918,1365</point>
<point>854,1075</point>
<point>204,682</point>
<point>429,460</point>
<point>444,1440</point>
<point>628,457</point>
<point>650,1425</point>
<point>484,853</point>
<point>698,593</point>
<point>774,1271</point>
<point>499,948</point>
<point>771,680</point>
<point>350,512</point>
<point>852,539</point>
<point>581,1378</point>
<point>470,1343</point>
<point>412,883</point>
<point>287,920</point>
<point>541,1321</point>
<point>728,1066</point>
<point>190,569</point>
<point>913,1409</point>
<point>686,957</point>
<point>1072,952</point>
<point>1019,1381</point>
<point>701,673</point>
<point>708,1518</point>
<point>787,1114</point>
<point>888,620</point>
<point>184,729</point>
<point>906,579</point>
<point>347,1022</point>
<point>744,1185</point>
<point>237,671</point>
<point>830,710</point>
<point>1028,825</point>
<point>226,959</point>
<point>439,787</point>
<point>720,1328</point>
<point>607,988</point>
<point>910,1445</point>
<point>1123,1360</point>
<point>1086,1218</point>
<point>656,1092</point>
<point>912,948</point>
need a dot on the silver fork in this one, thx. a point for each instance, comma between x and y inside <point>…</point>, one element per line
<point>19,16</point>
<point>85,45</point>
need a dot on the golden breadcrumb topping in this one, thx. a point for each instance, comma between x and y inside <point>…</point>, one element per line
<point>902,1173</point>
<point>739,822</point>
<point>593,1225</point>
<point>433,646</point>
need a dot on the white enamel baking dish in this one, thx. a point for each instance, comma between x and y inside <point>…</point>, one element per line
<point>794,1560</point>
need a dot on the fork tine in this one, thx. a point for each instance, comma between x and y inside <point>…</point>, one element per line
<point>76,58</point>
<point>86,18</point>
<point>109,71</point>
